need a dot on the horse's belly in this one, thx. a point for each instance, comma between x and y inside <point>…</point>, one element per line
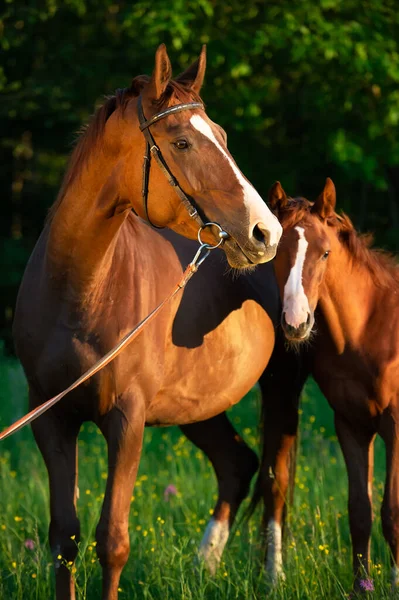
<point>202,382</point>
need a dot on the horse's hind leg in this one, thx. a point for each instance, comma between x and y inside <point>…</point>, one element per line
<point>235,464</point>
<point>389,430</point>
<point>56,439</point>
<point>357,446</point>
<point>123,428</point>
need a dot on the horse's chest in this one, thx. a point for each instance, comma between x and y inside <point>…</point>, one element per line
<point>356,390</point>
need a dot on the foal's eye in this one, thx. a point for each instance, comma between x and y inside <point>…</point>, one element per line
<point>326,255</point>
<point>181,144</point>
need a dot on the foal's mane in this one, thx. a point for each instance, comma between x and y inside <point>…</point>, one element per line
<point>90,135</point>
<point>382,265</point>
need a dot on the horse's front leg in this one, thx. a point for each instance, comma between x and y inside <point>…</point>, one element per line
<point>389,431</point>
<point>357,446</point>
<point>235,464</point>
<point>56,437</point>
<point>123,428</point>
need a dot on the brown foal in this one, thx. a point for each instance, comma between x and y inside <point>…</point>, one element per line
<point>328,274</point>
<point>98,269</point>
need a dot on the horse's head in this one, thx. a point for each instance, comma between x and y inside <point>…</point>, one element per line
<point>302,256</point>
<point>195,151</point>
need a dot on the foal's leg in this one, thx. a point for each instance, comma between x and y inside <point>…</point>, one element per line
<point>277,471</point>
<point>357,446</point>
<point>389,430</point>
<point>123,428</point>
<point>235,464</point>
<point>56,439</point>
<point>281,385</point>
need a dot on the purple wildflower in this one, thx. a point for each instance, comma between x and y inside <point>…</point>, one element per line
<point>170,490</point>
<point>366,585</point>
<point>29,544</point>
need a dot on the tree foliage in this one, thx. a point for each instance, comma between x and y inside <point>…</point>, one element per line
<point>304,89</point>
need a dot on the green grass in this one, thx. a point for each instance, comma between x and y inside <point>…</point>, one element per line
<point>165,535</point>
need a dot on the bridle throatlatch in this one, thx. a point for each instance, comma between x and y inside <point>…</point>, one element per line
<point>201,255</point>
<point>152,150</point>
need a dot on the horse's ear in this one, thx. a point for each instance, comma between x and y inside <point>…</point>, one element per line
<point>325,203</point>
<point>193,77</point>
<point>161,75</point>
<point>277,197</point>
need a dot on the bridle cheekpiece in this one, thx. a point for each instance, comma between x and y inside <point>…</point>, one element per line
<point>153,150</point>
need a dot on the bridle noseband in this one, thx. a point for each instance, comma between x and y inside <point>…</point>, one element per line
<point>153,150</point>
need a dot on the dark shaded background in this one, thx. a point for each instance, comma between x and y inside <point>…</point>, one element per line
<point>305,90</point>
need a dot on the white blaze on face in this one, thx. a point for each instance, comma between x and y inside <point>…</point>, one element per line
<point>213,543</point>
<point>257,209</point>
<point>296,305</point>
<point>274,564</point>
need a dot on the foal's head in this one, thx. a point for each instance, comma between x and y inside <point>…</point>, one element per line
<point>195,150</point>
<point>302,257</point>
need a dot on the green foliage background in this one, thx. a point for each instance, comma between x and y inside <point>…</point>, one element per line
<point>304,89</point>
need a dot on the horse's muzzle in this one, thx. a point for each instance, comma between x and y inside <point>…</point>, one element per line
<point>300,333</point>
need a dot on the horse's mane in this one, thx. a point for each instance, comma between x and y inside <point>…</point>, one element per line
<point>90,135</point>
<point>382,265</point>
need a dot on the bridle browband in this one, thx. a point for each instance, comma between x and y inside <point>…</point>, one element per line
<point>152,149</point>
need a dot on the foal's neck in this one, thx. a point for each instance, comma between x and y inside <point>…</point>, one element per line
<point>347,299</point>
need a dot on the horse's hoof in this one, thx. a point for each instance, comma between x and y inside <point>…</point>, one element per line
<point>212,545</point>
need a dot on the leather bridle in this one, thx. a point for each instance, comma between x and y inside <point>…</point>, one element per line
<point>152,150</point>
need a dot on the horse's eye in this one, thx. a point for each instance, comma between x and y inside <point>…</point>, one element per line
<point>181,144</point>
<point>326,255</point>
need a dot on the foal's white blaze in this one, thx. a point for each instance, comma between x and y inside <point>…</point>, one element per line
<point>296,305</point>
<point>257,209</point>
<point>274,564</point>
<point>213,543</point>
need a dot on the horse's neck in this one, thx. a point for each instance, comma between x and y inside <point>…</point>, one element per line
<point>84,228</point>
<point>347,299</point>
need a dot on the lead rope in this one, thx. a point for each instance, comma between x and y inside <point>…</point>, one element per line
<point>200,256</point>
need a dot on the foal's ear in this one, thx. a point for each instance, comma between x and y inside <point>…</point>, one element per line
<point>193,77</point>
<point>325,203</point>
<point>161,75</point>
<point>277,197</point>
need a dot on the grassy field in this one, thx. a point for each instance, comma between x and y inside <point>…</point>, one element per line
<point>165,534</point>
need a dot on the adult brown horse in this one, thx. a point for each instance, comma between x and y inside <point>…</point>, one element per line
<point>98,269</point>
<point>325,268</point>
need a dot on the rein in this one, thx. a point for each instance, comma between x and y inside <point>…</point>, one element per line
<point>201,254</point>
<point>152,150</point>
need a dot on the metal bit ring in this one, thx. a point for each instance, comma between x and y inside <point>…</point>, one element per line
<point>223,235</point>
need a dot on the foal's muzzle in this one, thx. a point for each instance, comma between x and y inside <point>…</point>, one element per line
<point>300,333</point>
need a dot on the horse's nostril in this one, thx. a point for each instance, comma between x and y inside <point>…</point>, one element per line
<point>288,328</point>
<point>308,319</point>
<point>260,234</point>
